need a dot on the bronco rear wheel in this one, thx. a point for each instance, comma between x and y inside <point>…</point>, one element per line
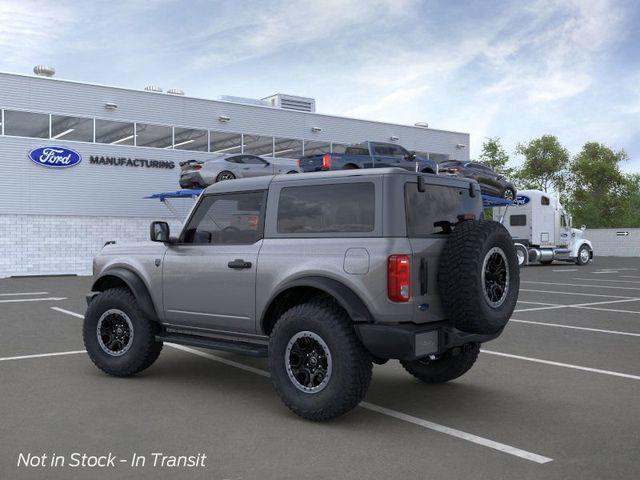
<point>479,277</point>
<point>318,366</point>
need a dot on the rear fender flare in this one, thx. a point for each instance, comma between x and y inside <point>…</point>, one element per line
<point>345,296</point>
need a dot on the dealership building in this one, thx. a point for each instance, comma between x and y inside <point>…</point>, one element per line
<point>121,145</point>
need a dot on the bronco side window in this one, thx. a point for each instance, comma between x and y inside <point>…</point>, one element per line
<point>338,208</point>
<point>227,219</point>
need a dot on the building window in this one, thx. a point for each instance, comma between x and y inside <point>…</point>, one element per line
<point>157,136</point>
<point>257,145</point>
<point>115,133</point>
<point>190,139</point>
<point>316,148</point>
<point>26,124</point>
<point>71,128</point>
<point>225,142</point>
<point>339,208</point>
<point>287,148</point>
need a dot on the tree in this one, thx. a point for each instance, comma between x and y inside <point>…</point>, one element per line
<point>494,156</point>
<point>600,195</point>
<point>545,164</point>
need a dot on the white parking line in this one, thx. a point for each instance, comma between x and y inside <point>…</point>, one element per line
<point>582,305</point>
<point>565,365</point>
<point>573,293</point>
<point>580,285</point>
<point>629,276</point>
<point>533,457</point>
<point>608,309</point>
<point>606,280</point>
<point>573,327</point>
<point>485,442</point>
<point>606,271</point>
<point>27,293</point>
<point>68,312</point>
<point>48,299</point>
<point>539,303</point>
<point>41,355</point>
<point>567,270</point>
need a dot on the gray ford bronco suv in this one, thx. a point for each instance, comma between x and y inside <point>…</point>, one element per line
<point>323,273</point>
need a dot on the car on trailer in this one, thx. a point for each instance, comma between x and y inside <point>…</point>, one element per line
<point>202,173</point>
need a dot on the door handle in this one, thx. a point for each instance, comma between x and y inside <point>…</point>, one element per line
<point>239,264</point>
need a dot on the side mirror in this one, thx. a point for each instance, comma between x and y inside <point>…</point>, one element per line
<point>410,156</point>
<point>583,228</point>
<point>159,232</point>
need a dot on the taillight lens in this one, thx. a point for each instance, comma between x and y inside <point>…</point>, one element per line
<point>196,167</point>
<point>399,278</point>
<point>326,161</point>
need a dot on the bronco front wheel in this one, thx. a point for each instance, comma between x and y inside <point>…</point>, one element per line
<point>119,338</point>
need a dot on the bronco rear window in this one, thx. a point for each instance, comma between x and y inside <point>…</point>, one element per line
<point>439,203</point>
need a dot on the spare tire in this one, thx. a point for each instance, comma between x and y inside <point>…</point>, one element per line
<point>479,277</point>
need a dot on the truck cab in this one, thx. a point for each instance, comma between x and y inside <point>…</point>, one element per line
<point>542,230</point>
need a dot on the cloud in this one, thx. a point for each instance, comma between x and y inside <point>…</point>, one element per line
<point>30,29</point>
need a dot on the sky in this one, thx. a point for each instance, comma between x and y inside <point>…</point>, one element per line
<point>509,69</point>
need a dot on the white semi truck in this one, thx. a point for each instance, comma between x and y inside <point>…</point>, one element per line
<point>541,230</point>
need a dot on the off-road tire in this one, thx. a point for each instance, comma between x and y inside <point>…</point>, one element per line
<point>351,363</point>
<point>460,278</point>
<point>452,364</point>
<point>578,259</point>
<point>144,349</point>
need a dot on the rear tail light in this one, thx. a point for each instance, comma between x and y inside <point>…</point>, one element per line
<point>196,167</point>
<point>326,161</point>
<point>399,278</point>
<point>298,163</point>
<point>466,216</point>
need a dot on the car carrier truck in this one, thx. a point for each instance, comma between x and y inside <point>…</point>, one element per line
<point>541,230</point>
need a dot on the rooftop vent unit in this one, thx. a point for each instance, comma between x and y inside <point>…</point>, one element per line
<point>291,102</point>
<point>175,91</point>
<point>153,88</point>
<point>43,71</point>
<point>244,100</point>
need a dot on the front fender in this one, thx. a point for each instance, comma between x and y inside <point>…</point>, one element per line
<point>133,281</point>
<point>576,246</point>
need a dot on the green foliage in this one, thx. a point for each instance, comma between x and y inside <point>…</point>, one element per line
<point>600,195</point>
<point>545,164</point>
<point>494,156</point>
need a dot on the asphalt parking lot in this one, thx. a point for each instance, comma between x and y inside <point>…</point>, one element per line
<point>556,396</point>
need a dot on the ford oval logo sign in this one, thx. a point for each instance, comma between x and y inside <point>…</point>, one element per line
<point>521,200</point>
<point>55,157</point>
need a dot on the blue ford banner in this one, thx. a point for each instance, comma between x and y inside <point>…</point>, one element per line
<point>55,157</point>
<point>521,200</point>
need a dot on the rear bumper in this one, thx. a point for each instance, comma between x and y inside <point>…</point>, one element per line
<point>191,179</point>
<point>410,341</point>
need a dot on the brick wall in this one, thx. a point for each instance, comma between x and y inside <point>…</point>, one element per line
<point>611,242</point>
<point>54,245</point>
